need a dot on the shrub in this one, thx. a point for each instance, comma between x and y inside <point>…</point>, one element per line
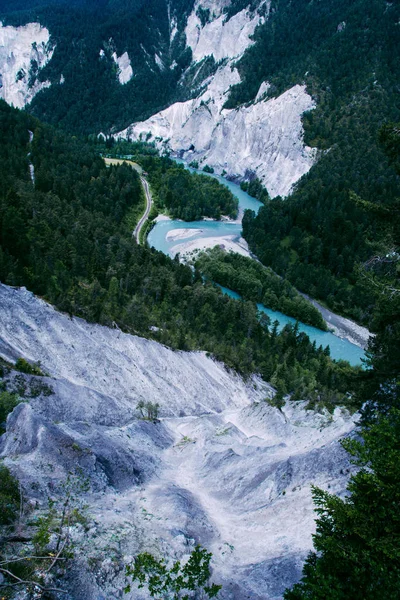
<point>7,404</point>
<point>9,496</point>
<point>25,367</point>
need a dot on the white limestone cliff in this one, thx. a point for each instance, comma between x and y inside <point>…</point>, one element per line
<point>264,139</point>
<point>221,38</point>
<point>22,51</point>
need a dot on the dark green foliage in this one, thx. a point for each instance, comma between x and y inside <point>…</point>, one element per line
<point>91,99</point>
<point>67,239</point>
<point>380,389</point>
<point>188,196</point>
<point>9,496</point>
<point>358,539</point>
<point>380,384</point>
<point>208,169</point>
<point>148,410</point>
<point>204,15</point>
<point>255,189</point>
<point>316,236</point>
<point>25,367</point>
<point>236,6</point>
<point>8,402</point>
<point>180,581</point>
<point>255,282</point>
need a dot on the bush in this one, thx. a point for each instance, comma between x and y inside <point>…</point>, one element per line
<point>7,404</point>
<point>9,496</point>
<point>25,367</point>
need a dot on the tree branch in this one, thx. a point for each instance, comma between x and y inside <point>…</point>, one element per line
<point>27,582</point>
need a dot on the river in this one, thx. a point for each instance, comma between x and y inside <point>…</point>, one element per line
<point>223,231</point>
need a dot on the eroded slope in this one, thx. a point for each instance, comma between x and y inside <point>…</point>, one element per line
<point>221,467</point>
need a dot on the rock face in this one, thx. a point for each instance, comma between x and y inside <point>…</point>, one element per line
<point>125,71</point>
<point>221,468</point>
<point>23,52</point>
<point>264,139</point>
<point>219,37</point>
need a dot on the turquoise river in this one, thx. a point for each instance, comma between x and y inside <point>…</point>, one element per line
<point>339,348</point>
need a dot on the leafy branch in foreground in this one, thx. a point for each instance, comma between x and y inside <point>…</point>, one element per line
<point>180,582</point>
<point>35,550</point>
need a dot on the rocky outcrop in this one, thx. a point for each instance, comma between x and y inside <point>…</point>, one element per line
<point>221,467</point>
<point>24,51</point>
<point>219,37</point>
<point>125,71</point>
<point>264,139</point>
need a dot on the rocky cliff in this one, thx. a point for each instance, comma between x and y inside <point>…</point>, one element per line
<point>24,51</point>
<point>263,139</point>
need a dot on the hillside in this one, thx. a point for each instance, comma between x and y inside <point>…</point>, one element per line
<point>127,64</point>
<point>67,236</point>
<point>142,407</point>
<point>347,54</point>
<point>211,470</point>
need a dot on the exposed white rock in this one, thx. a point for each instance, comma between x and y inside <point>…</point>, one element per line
<point>265,138</point>
<point>117,365</point>
<point>20,49</point>
<point>173,26</point>
<point>159,62</point>
<point>225,469</point>
<point>187,250</point>
<point>264,87</point>
<point>221,38</point>
<point>125,71</point>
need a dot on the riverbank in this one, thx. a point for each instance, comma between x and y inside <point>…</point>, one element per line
<point>229,243</point>
<point>342,327</point>
<point>227,235</point>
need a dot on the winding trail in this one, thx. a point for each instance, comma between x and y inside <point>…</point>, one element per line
<point>146,188</point>
<point>149,204</point>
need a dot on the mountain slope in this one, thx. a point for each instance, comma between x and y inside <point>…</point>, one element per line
<point>221,468</point>
<point>139,58</point>
<point>134,39</point>
<point>347,53</point>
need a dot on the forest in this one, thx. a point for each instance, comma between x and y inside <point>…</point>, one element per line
<point>357,541</point>
<point>67,238</point>
<point>260,284</point>
<point>187,196</point>
<point>91,99</point>
<point>321,235</point>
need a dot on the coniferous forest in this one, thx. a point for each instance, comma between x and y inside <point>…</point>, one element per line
<point>68,238</point>
<point>187,196</point>
<point>346,53</point>
<point>66,231</point>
